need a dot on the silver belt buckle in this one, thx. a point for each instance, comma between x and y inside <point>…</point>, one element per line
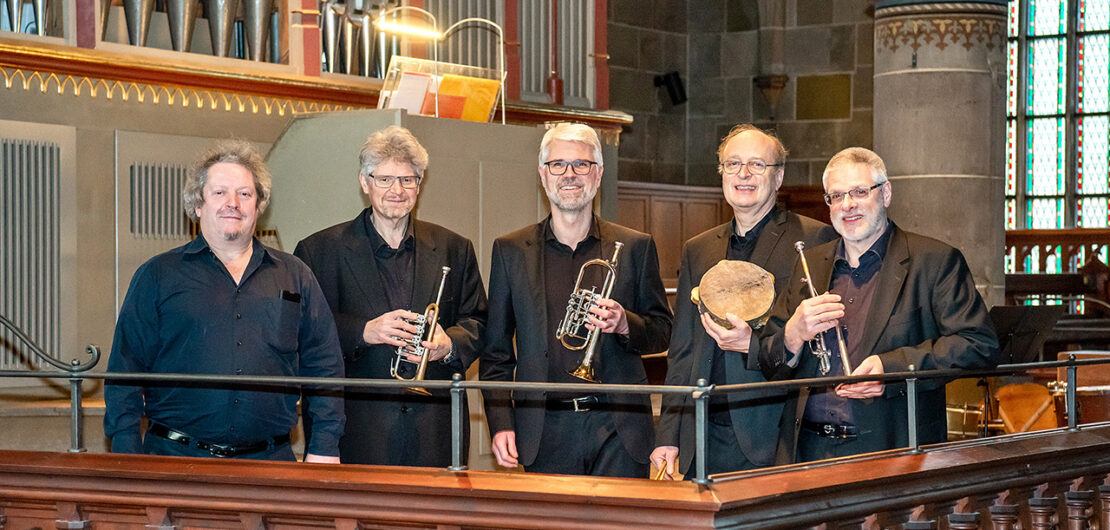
<point>578,404</point>
<point>828,428</point>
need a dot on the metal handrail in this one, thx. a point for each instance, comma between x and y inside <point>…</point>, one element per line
<point>700,392</point>
<point>72,371</point>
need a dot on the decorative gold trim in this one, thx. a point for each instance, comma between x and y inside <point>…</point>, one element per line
<point>140,93</point>
<point>941,31</point>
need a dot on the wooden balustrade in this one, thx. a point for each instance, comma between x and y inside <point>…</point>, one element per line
<point>1071,242</point>
<point>1048,479</point>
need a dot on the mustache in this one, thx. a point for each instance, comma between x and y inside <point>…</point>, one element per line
<point>229,210</point>
<point>572,181</point>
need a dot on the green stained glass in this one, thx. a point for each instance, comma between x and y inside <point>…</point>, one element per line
<point>1048,17</point>
<point>1044,213</point>
<point>1045,157</point>
<point>1047,83</point>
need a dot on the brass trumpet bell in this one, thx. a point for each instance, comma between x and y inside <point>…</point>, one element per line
<point>578,310</point>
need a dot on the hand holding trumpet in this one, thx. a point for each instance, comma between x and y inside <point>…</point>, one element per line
<point>392,328</point>
<point>607,315</point>
<point>812,317</point>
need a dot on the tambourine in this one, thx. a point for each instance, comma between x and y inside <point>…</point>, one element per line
<point>738,287</point>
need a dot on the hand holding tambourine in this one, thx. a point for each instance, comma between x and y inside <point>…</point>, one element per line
<point>738,287</point>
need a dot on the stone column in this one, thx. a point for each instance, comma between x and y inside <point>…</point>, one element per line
<point>940,74</point>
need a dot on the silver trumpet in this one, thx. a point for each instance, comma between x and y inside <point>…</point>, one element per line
<point>425,331</point>
<point>570,332</point>
<point>817,345</point>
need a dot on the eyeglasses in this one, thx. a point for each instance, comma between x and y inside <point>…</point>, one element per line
<point>857,194</point>
<point>386,181</point>
<point>580,167</point>
<point>755,167</point>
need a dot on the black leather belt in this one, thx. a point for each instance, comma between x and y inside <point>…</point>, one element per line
<point>218,450</point>
<point>829,430</point>
<point>578,404</point>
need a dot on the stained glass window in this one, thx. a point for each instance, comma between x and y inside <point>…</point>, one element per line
<point>1057,124</point>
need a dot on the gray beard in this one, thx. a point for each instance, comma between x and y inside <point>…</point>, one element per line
<point>232,236</point>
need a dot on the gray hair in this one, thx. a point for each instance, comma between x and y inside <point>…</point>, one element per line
<point>571,132</point>
<point>392,143</point>
<point>853,156</point>
<point>231,151</point>
<point>780,149</point>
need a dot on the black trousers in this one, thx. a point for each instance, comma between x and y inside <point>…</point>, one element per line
<point>584,443</point>
<point>156,445</point>
<point>724,453</point>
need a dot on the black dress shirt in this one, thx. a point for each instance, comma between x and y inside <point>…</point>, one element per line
<point>396,266</point>
<point>184,313</point>
<point>561,266</point>
<point>856,286</point>
<point>740,248</point>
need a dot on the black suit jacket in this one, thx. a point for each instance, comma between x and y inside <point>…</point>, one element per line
<point>925,312</point>
<point>343,260</point>
<point>755,416</point>
<point>518,310</point>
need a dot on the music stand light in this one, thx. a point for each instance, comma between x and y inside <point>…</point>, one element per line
<point>422,32</point>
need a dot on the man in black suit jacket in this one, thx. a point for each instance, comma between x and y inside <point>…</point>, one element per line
<point>900,299</point>
<point>743,427</point>
<point>531,276</point>
<point>379,271</point>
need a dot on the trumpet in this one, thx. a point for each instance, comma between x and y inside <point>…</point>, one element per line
<point>578,310</point>
<point>425,331</point>
<point>817,345</point>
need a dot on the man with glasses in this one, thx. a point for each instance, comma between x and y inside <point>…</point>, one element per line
<point>899,299</point>
<point>532,273</point>
<point>742,429</point>
<point>378,272</point>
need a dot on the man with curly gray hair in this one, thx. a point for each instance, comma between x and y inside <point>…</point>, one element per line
<point>224,304</point>
<point>378,271</point>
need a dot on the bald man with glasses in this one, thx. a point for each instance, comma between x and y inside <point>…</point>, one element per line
<point>378,272</point>
<point>532,273</point>
<point>743,428</point>
<point>899,299</point>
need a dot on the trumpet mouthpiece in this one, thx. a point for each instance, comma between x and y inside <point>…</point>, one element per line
<point>799,245</point>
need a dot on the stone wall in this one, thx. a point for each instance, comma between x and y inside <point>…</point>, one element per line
<point>648,38</point>
<point>824,107</point>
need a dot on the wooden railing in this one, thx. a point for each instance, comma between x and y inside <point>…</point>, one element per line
<point>1063,246</point>
<point>1048,479</point>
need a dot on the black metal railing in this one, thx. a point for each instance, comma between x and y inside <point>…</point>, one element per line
<point>76,372</point>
